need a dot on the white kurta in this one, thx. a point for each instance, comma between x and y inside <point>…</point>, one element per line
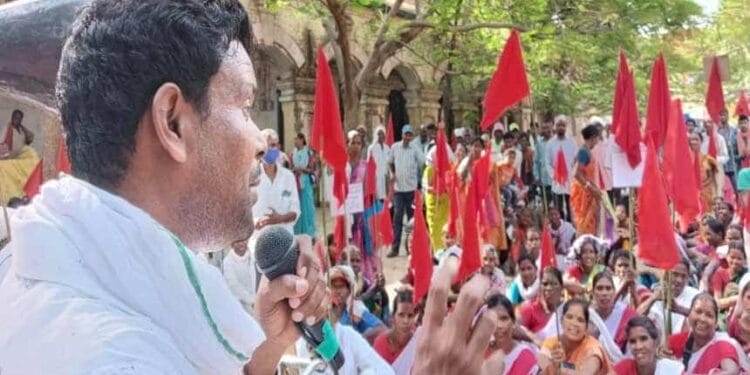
<point>382,155</point>
<point>97,286</point>
<point>280,194</point>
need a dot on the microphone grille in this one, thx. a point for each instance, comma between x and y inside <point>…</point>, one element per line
<point>275,252</point>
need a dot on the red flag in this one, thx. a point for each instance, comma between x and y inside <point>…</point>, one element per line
<point>561,168</point>
<point>656,242</point>
<point>384,234</point>
<point>470,258</point>
<point>712,142</point>
<point>627,133</point>
<point>421,256</point>
<point>327,135</point>
<point>742,107</point>
<point>715,93</point>
<point>622,74</point>
<point>389,131</point>
<point>680,176</point>
<point>31,188</point>
<point>658,103</point>
<point>371,182</point>
<point>548,256</point>
<point>455,192</point>
<point>480,173</point>
<point>508,84</point>
<point>63,163</point>
<point>442,162</point>
<point>339,237</point>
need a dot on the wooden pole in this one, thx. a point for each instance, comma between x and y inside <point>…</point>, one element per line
<point>667,293</point>
<point>631,221</point>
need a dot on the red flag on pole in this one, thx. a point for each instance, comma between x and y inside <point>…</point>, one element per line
<point>680,176</point>
<point>371,179</point>
<point>35,180</point>
<point>548,256</point>
<point>384,234</point>
<point>339,237</point>
<point>658,103</point>
<point>622,74</point>
<point>627,130</point>
<point>63,163</point>
<point>470,257</point>
<point>327,135</point>
<point>657,246</point>
<point>421,256</point>
<point>442,162</point>
<point>480,173</point>
<point>742,107</point>
<point>389,131</point>
<point>715,93</point>
<point>560,174</point>
<point>712,142</point>
<point>508,84</point>
<point>454,191</point>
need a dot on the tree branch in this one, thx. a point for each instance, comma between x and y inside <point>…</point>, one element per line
<point>380,36</point>
<point>421,24</point>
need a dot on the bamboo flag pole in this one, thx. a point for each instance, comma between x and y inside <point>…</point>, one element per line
<point>667,293</point>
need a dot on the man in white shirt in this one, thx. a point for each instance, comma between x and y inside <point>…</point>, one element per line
<point>406,161</point>
<point>381,152</point>
<point>278,199</point>
<point>569,148</point>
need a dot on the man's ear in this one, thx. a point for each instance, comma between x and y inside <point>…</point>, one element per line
<point>170,115</point>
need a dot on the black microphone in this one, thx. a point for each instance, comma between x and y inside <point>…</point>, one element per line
<point>276,254</point>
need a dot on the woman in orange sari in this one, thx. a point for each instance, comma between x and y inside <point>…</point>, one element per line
<point>707,170</point>
<point>584,194</point>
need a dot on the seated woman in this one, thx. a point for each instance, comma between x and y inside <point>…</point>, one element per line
<point>614,313</point>
<point>489,268</point>
<point>17,158</point>
<point>683,294</point>
<point>643,341</point>
<point>727,275</point>
<point>347,309</point>
<point>585,251</point>
<point>573,351</point>
<point>391,344</point>
<point>520,357</point>
<point>536,316</point>
<point>525,287</point>
<point>703,349</point>
<point>628,289</point>
<point>373,294</point>
<point>739,322</point>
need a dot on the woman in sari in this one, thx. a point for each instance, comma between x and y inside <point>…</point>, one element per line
<point>615,314</point>
<point>360,231</point>
<point>706,170</point>
<point>584,193</point>
<point>573,351</point>
<point>535,317</point>
<point>739,323</point>
<point>525,287</point>
<point>519,356</point>
<point>643,341</point>
<point>702,349</point>
<point>391,344</point>
<point>585,253</point>
<point>303,165</point>
<point>437,204</point>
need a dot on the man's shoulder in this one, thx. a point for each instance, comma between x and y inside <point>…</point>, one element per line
<point>78,334</point>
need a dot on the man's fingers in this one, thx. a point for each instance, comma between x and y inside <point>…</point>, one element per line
<point>312,303</point>
<point>437,298</point>
<point>480,336</point>
<point>284,287</point>
<point>469,300</point>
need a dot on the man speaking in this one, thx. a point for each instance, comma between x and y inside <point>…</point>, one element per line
<point>103,276</point>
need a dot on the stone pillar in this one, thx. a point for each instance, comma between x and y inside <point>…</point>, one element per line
<point>297,100</point>
<point>51,136</point>
<point>430,103</point>
<point>372,107</point>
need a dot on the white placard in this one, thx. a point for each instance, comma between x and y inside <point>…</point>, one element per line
<point>355,202</point>
<point>623,175</point>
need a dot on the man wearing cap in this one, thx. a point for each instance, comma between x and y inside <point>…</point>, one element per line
<point>278,200</point>
<point>406,162</point>
<point>497,141</point>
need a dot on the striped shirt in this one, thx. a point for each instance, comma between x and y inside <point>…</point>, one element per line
<point>407,161</point>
